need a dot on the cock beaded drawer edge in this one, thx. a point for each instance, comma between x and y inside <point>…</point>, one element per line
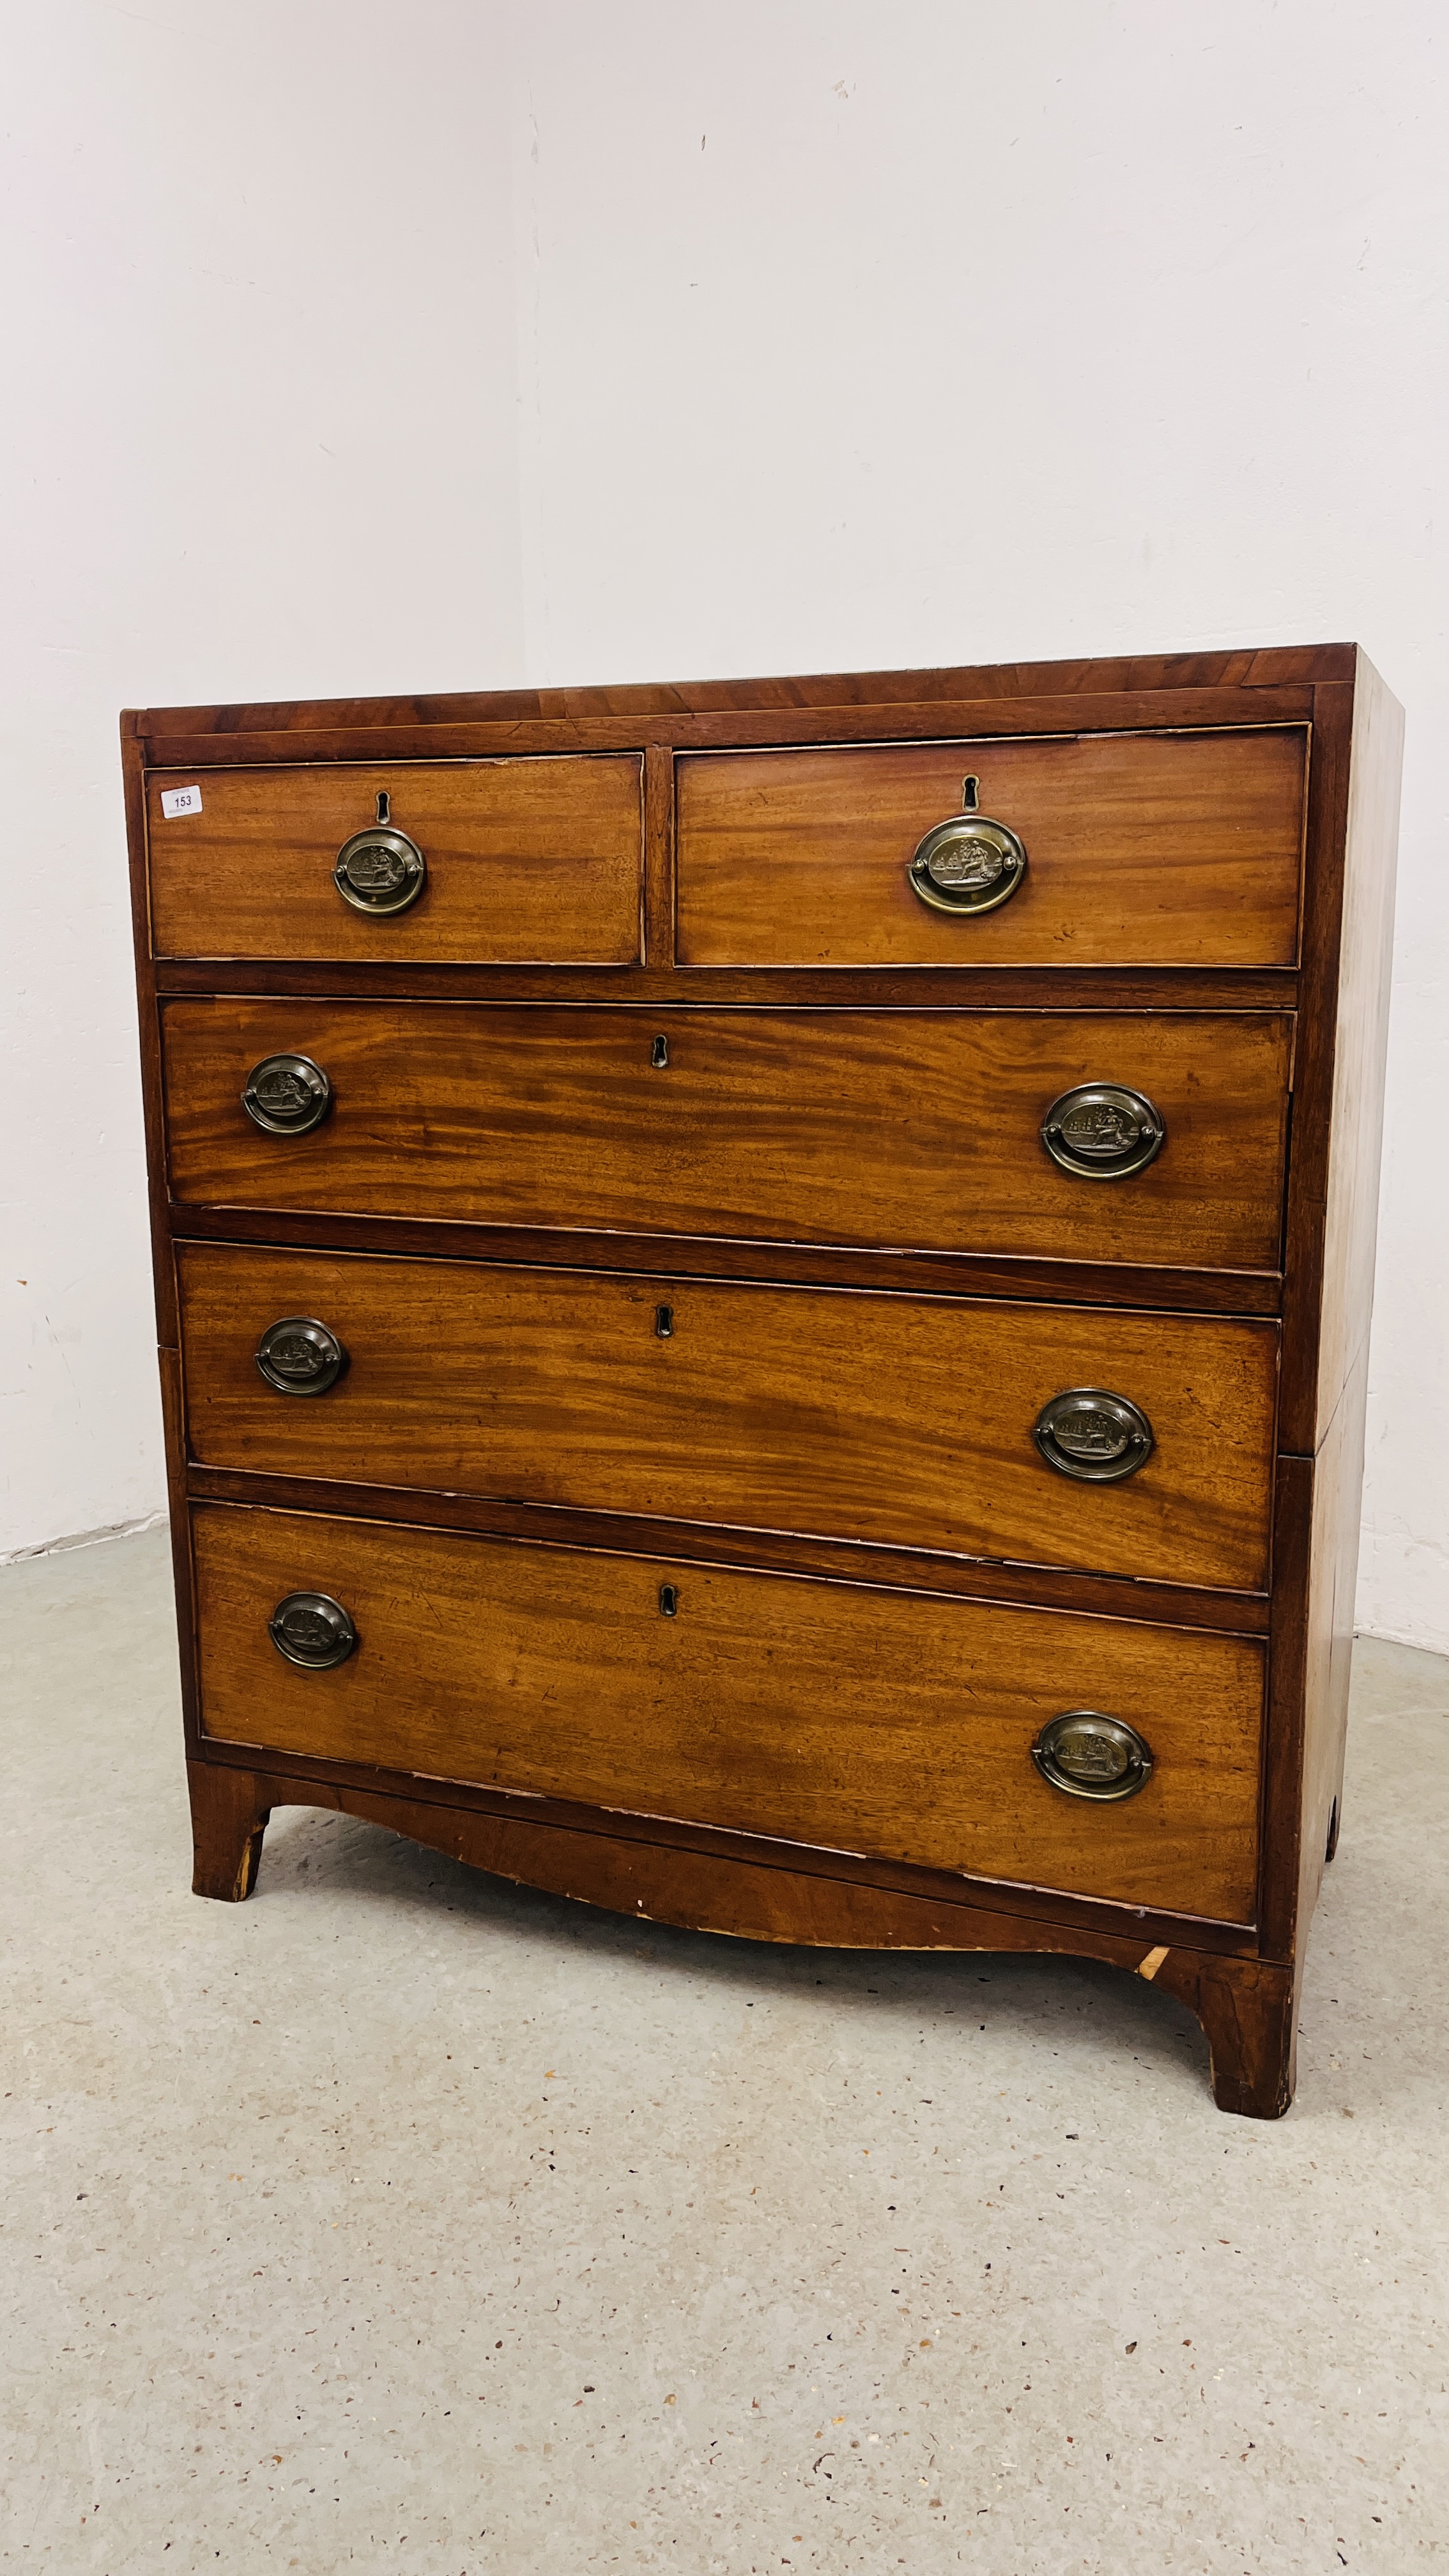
<point>764,1288</point>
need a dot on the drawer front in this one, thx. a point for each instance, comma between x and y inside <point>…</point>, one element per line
<point>886,1724</point>
<point>525,862</point>
<point>906,1421</point>
<point>907,1129</point>
<point>1140,850</point>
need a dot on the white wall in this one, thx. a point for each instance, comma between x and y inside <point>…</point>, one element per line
<point>257,439</point>
<point>854,336</point>
<point>844,336</point>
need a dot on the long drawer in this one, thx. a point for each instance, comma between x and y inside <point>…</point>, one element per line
<point>906,1421</point>
<point>891,1724</point>
<point>1169,849</point>
<point>906,1129</point>
<point>522,861</point>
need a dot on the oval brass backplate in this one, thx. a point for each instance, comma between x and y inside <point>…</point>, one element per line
<point>968,864</point>
<point>1103,1132</point>
<point>312,1630</point>
<point>380,870</point>
<point>1098,1437</point>
<point>299,1356</point>
<point>1091,1756</point>
<point>286,1095</point>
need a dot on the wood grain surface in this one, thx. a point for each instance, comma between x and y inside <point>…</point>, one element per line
<point>711,1880</point>
<point>1337,1477</point>
<point>868,1721</point>
<point>1150,849</point>
<point>917,1130</point>
<point>911,1569</point>
<point>870,988</point>
<point>951,1274</point>
<point>897,1420</point>
<point>529,861</point>
<point>1239,677</point>
<point>1355,1024</point>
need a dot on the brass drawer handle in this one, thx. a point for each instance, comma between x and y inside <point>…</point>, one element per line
<point>298,1356</point>
<point>313,1630</point>
<point>286,1095</point>
<point>1091,1756</point>
<point>1103,1132</point>
<point>968,864</point>
<point>1087,1433</point>
<point>380,870</point>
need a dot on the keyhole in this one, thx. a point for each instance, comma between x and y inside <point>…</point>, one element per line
<point>969,789</point>
<point>664,1321</point>
<point>384,806</point>
<point>668,1601</point>
<point>659,1053</point>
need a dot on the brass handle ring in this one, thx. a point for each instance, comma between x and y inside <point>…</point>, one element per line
<point>1096,1437</point>
<point>968,864</point>
<point>1091,1756</point>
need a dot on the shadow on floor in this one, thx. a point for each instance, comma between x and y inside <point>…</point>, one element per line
<point>362,1863</point>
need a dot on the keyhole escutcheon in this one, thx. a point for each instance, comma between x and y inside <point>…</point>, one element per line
<point>659,1054</point>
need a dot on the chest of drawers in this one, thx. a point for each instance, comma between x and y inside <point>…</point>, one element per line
<point>763,1292</point>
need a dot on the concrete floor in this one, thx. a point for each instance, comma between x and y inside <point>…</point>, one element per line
<point>842,2262</point>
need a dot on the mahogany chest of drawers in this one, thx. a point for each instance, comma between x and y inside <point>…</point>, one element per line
<point>764,1289</point>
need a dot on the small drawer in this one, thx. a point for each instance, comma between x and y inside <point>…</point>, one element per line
<point>494,862</point>
<point>893,1725</point>
<point>1092,850</point>
<point>912,1130</point>
<point>897,1420</point>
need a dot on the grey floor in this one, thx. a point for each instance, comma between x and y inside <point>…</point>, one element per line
<point>842,2263</point>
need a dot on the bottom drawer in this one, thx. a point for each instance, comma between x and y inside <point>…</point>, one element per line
<point>889,1724</point>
